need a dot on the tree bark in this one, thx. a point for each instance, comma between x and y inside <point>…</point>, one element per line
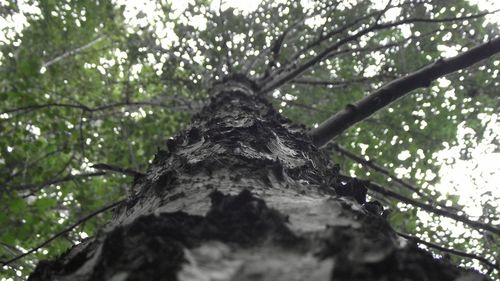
<point>243,194</point>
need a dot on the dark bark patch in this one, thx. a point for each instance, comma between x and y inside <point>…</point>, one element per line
<point>247,220</point>
<point>160,157</point>
<point>194,135</point>
<point>171,145</point>
<point>165,180</point>
<point>140,252</point>
<point>371,243</point>
<point>403,264</point>
<point>351,187</point>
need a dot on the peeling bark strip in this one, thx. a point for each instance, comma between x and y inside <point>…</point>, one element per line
<point>394,90</point>
<point>243,194</point>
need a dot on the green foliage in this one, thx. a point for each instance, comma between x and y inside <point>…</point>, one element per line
<point>86,82</point>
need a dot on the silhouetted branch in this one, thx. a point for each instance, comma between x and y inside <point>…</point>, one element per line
<point>383,11</point>
<point>33,107</point>
<point>81,137</point>
<point>226,38</point>
<point>314,82</point>
<point>380,169</point>
<point>274,49</point>
<point>10,177</point>
<point>329,35</point>
<point>384,123</point>
<point>324,37</point>
<point>296,71</point>
<point>376,167</point>
<point>66,230</point>
<point>451,251</point>
<point>391,91</point>
<point>85,108</point>
<point>35,188</point>
<point>113,168</point>
<point>475,224</point>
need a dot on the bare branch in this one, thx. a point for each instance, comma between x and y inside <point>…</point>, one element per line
<point>296,71</point>
<point>275,52</point>
<point>72,52</point>
<point>34,107</point>
<point>11,166</point>
<point>383,11</point>
<point>314,82</point>
<point>274,49</point>
<point>451,251</point>
<point>329,35</point>
<point>358,52</point>
<point>64,231</point>
<point>374,166</point>
<point>35,188</point>
<point>250,63</point>
<point>392,91</point>
<point>385,123</point>
<point>113,168</point>
<point>475,224</point>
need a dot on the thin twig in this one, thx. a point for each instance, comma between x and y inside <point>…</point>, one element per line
<point>36,188</point>
<point>382,170</point>
<point>113,168</point>
<point>376,167</point>
<point>447,250</point>
<point>85,108</point>
<point>314,82</point>
<point>271,85</point>
<point>72,52</point>
<point>64,231</point>
<point>475,224</point>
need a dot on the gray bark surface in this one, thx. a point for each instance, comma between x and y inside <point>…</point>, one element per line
<point>243,194</point>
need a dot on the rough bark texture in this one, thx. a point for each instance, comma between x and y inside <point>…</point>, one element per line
<point>242,194</point>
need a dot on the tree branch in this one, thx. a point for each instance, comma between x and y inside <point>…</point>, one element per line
<point>314,82</point>
<point>72,52</point>
<point>392,91</point>
<point>64,231</point>
<point>296,71</point>
<point>85,108</point>
<point>120,170</point>
<point>329,35</point>
<point>382,170</point>
<point>12,166</point>
<point>375,167</point>
<point>475,224</point>
<point>400,43</point>
<point>451,251</point>
<point>36,188</point>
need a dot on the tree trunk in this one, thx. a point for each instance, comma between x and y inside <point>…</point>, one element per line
<point>243,194</point>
